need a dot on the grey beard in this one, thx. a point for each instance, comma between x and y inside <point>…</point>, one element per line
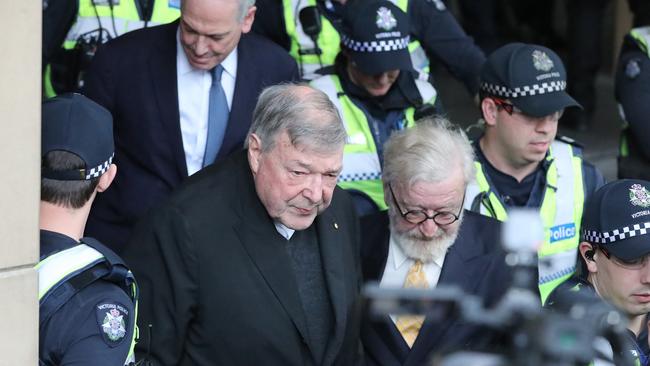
<point>424,250</point>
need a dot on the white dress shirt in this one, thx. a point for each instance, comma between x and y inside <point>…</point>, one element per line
<point>194,100</point>
<point>286,232</point>
<point>398,265</point>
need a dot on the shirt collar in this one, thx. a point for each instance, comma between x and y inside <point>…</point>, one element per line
<point>229,64</point>
<point>53,242</point>
<point>286,232</point>
<point>399,258</point>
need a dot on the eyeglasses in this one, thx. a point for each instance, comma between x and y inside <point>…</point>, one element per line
<point>419,216</point>
<point>508,107</point>
<point>634,264</point>
<point>511,109</point>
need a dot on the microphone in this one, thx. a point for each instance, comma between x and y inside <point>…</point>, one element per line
<point>522,235</point>
<point>310,21</point>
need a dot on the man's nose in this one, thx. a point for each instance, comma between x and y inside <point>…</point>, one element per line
<point>314,188</point>
<point>428,228</point>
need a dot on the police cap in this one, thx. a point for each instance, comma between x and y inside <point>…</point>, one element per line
<point>376,35</point>
<point>73,123</point>
<point>617,217</point>
<point>532,77</point>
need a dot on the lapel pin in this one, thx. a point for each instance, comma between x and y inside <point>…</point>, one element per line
<point>336,226</point>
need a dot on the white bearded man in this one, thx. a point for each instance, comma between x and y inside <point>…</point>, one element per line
<point>425,239</point>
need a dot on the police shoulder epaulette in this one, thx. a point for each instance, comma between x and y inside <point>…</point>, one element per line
<point>569,140</point>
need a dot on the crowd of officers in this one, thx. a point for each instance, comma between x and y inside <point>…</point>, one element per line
<point>221,177</point>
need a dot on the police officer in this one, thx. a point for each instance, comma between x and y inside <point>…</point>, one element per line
<point>614,251</point>
<point>310,31</point>
<point>87,296</point>
<point>633,95</point>
<point>519,161</point>
<point>72,31</point>
<point>376,92</point>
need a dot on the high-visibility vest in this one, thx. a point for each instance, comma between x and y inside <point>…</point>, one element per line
<point>96,262</point>
<point>114,21</point>
<point>561,212</point>
<point>303,48</point>
<point>361,165</point>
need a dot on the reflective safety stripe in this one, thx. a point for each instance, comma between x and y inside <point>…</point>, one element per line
<point>561,211</point>
<point>62,265</point>
<point>328,39</point>
<point>329,42</point>
<point>642,37</point>
<point>122,18</point>
<point>361,166</point>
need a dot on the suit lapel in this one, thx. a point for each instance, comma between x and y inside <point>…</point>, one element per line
<point>244,99</point>
<point>162,69</point>
<point>266,249</point>
<point>373,270</point>
<point>330,240</point>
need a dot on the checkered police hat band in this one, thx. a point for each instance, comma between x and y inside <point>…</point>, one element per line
<point>99,170</point>
<point>523,91</point>
<point>376,46</point>
<point>618,234</point>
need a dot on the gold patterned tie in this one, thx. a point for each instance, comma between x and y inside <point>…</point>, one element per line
<point>409,325</point>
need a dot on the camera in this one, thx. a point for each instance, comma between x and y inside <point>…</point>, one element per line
<point>528,335</point>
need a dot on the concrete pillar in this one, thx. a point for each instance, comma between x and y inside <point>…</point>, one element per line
<point>20,65</point>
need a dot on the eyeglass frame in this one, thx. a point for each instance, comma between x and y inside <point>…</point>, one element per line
<point>426,215</point>
<point>623,263</point>
<point>508,107</point>
<point>512,109</point>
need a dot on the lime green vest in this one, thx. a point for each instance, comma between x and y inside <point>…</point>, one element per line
<point>121,19</point>
<point>58,267</point>
<point>329,42</point>
<point>561,212</point>
<point>361,166</point>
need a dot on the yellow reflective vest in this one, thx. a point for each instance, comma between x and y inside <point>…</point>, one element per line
<point>361,164</point>
<point>115,20</point>
<point>303,48</point>
<point>561,212</point>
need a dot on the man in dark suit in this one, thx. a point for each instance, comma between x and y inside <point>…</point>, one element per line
<point>424,240</point>
<point>254,260</point>
<point>182,96</point>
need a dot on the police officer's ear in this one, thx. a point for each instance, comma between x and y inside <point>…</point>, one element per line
<point>489,109</point>
<point>107,178</point>
<point>587,252</point>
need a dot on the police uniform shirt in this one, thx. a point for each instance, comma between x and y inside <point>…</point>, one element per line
<point>530,191</point>
<point>439,33</point>
<point>633,93</point>
<point>76,334</point>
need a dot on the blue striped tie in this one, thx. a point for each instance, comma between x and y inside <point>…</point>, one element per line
<point>217,117</point>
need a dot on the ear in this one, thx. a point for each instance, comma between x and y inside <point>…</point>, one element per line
<point>254,152</point>
<point>107,178</point>
<point>489,110</point>
<point>387,199</point>
<point>247,23</point>
<point>587,251</point>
